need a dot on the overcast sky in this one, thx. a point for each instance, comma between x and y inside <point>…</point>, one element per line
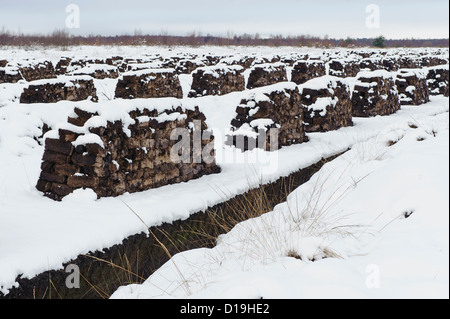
<point>337,19</point>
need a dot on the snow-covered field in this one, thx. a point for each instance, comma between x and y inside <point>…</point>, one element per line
<point>379,213</point>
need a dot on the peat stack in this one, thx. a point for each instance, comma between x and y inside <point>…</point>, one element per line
<point>98,71</point>
<point>343,68</point>
<point>438,79</point>
<point>62,65</point>
<point>375,94</point>
<point>187,66</point>
<point>64,88</point>
<point>412,86</point>
<point>10,74</point>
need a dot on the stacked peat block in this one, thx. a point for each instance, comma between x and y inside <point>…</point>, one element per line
<point>389,64</point>
<point>188,66</point>
<point>429,61</point>
<point>217,80</point>
<point>305,70</point>
<point>326,104</point>
<point>132,66</point>
<point>266,74</point>
<point>211,60</point>
<point>64,88</point>
<point>365,54</point>
<point>10,74</point>
<point>290,59</point>
<point>409,62</point>
<point>34,70</point>
<point>276,107</point>
<point>118,62</point>
<point>375,94</point>
<point>438,80</point>
<point>343,68</point>
<point>62,65</point>
<point>273,59</point>
<point>412,86</point>
<point>245,61</point>
<point>115,60</point>
<point>150,83</point>
<point>98,71</point>
<point>127,150</point>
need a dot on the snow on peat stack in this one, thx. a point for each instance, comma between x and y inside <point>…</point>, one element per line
<point>245,61</point>
<point>304,70</point>
<point>343,67</point>
<point>389,64</point>
<point>98,71</point>
<point>412,86</point>
<point>277,106</point>
<point>187,66</point>
<point>62,65</point>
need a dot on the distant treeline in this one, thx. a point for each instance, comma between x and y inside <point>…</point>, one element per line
<point>62,38</point>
